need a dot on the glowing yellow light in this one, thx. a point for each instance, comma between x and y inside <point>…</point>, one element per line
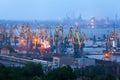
<point>107,55</point>
<point>21,40</point>
<point>45,44</point>
<point>35,40</point>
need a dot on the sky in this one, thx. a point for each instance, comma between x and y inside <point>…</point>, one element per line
<point>57,9</point>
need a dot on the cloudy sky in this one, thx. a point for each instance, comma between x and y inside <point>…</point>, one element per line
<point>57,9</point>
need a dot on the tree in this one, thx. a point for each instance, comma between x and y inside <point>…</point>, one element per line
<point>10,73</point>
<point>63,73</point>
<point>36,78</point>
<point>32,69</point>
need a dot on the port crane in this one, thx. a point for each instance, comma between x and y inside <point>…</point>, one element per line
<point>56,34</point>
<point>61,40</point>
<point>61,33</point>
<point>11,32</point>
<point>77,35</point>
<point>11,35</point>
<point>77,38</point>
<point>71,38</point>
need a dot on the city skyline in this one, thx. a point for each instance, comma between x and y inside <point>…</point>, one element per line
<point>57,10</point>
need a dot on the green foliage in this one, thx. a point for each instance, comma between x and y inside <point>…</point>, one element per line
<point>10,73</point>
<point>36,78</point>
<point>110,77</point>
<point>32,69</point>
<point>100,72</point>
<point>64,73</point>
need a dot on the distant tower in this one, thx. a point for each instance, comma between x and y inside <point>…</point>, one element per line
<point>107,22</point>
<point>92,22</point>
<point>80,17</point>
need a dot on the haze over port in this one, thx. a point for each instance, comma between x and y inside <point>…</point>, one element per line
<point>57,10</point>
<point>59,40</point>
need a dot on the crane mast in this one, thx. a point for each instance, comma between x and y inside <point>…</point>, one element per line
<point>71,37</point>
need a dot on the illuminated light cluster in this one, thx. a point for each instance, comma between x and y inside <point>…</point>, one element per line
<point>22,41</point>
<point>106,55</point>
<point>92,21</point>
<point>45,44</point>
<point>35,40</point>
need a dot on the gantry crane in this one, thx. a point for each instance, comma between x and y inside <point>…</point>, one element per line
<point>78,36</point>
<point>51,40</point>
<point>28,36</point>
<point>71,37</point>
<point>17,30</point>
<point>11,34</point>
<point>22,32</point>
<point>111,39</point>
<point>61,40</point>
<point>61,34</point>
<point>45,33</point>
<point>56,37</point>
<point>4,35</point>
<point>77,39</point>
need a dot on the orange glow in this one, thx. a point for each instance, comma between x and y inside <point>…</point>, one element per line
<point>107,55</point>
<point>35,39</point>
<point>45,45</point>
<point>21,40</point>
